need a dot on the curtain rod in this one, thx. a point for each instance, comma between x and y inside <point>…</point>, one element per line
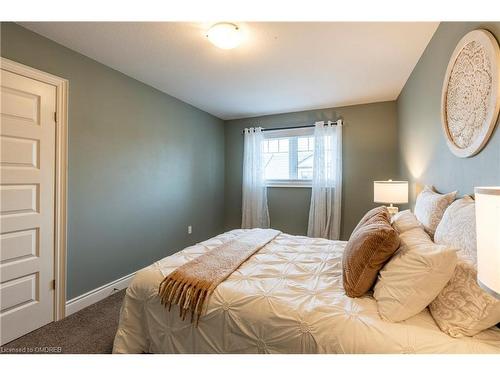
<point>338,122</point>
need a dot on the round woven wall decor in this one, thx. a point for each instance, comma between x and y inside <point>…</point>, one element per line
<point>471,91</point>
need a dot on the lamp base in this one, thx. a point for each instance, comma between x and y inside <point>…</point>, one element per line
<point>393,210</point>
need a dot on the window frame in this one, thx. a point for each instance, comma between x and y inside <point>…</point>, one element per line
<point>286,133</point>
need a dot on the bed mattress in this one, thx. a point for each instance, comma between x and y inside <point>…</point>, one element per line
<point>287,298</point>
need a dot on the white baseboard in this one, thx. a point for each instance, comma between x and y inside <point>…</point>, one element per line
<point>93,296</point>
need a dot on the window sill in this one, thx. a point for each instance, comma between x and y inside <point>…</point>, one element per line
<point>289,184</point>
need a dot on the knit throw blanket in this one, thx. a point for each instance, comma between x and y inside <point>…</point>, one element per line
<point>190,285</point>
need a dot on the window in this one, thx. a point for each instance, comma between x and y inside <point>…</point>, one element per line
<point>288,157</point>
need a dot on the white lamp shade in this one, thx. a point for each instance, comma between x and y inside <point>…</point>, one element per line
<point>488,238</point>
<point>390,192</point>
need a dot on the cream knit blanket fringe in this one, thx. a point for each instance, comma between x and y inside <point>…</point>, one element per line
<point>190,285</point>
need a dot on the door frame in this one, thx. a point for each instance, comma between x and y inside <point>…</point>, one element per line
<point>61,175</point>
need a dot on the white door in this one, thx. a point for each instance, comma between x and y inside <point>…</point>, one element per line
<point>27,177</point>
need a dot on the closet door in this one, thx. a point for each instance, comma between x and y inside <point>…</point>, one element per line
<point>27,174</point>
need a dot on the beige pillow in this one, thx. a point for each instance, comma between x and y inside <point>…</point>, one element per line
<point>414,276</point>
<point>430,207</point>
<point>457,228</point>
<point>404,221</point>
<point>368,249</point>
<point>463,308</point>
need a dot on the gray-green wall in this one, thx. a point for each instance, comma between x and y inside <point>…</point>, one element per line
<point>142,165</point>
<point>370,153</point>
<point>425,157</point>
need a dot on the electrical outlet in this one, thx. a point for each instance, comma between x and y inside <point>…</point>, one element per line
<point>190,229</point>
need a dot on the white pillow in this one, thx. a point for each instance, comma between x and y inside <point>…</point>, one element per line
<point>404,221</point>
<point>430,207</point>
<point>414,276</point>
<point>463,308</point>
<point>457,228</point>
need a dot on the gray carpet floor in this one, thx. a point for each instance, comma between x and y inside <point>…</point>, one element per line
<point>88,331</point>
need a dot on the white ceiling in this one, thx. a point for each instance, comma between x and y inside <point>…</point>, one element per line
<point>280,67</point>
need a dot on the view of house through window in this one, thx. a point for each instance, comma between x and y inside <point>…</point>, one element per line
<point>289,159</point>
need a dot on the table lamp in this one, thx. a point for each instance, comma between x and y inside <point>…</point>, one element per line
<point>488,238</point>
<point>392,192</point>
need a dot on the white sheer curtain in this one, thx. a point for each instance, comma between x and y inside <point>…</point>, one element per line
<point>254,206</point>
<point>326,195</point>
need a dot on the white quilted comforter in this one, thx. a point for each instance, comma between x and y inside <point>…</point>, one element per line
<point>287,298</point>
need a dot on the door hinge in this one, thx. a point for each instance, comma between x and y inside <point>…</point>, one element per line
<point>53,284</point>
<point>55,116</point>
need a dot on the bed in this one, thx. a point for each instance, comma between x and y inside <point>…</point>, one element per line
<point>287,298</point>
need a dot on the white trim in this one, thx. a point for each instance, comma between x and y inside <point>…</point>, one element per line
<point>289,186</point>
<point>60,221</point>
<point>97,294</point>
<point>289,183</point>
<point>61,199</point>
<point>292,132</point>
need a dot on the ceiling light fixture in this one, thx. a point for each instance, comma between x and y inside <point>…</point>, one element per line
<point>225,35</point>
